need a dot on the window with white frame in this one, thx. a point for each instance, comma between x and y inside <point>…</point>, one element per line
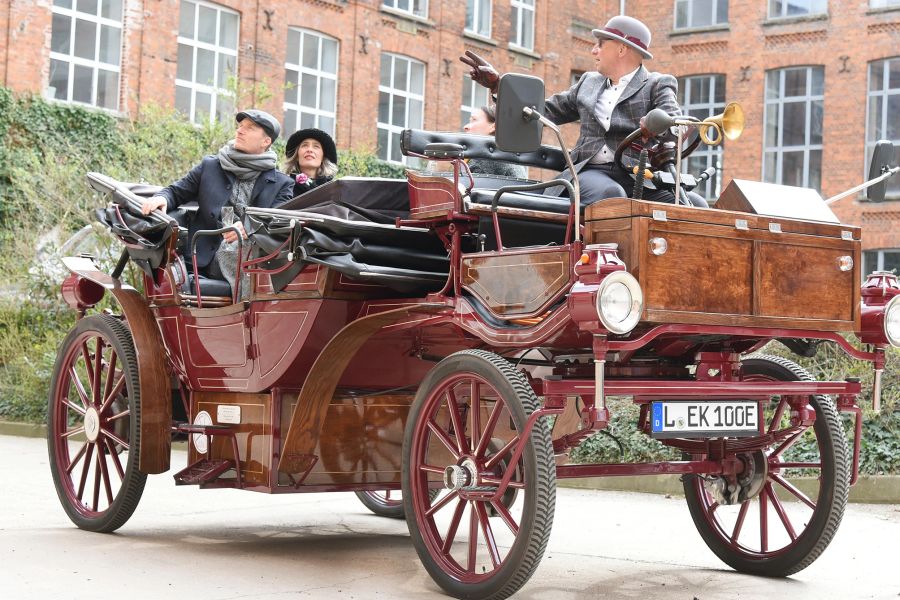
<point>474,96</point>
<point>881,260</point>
<point>703,96</point>
<point>418,8</point>
<point>401,103</point>
<point>690,14</point>
<point>86,52</point>
<point>796,8</point>
<point>575,77</point>
<point>883,3</point>
<point>478,17</point>
<point>792,146</point>
<point>207,60</point>
<point>521,26</point>
<point>883,121</point>
<point>310,78</point>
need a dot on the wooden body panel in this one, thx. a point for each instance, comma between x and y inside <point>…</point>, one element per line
<point>518,283</point>
<point>361,439</point>
<point>625,207</point>
<point>305,426</point>
<point>431,196</point>
<point>254,433</point>
<point>730,268</point>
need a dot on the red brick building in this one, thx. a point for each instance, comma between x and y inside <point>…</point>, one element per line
<point>819,80</point>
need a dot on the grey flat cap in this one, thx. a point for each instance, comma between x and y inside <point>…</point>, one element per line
<point>629,31</point>
<point>263,119</point>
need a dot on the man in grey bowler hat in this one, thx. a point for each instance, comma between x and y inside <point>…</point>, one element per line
<point>609,102</point>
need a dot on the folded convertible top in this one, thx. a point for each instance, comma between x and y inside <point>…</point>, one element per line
<point>349,225</point>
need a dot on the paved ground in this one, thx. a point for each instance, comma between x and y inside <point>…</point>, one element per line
<point>223,544</point>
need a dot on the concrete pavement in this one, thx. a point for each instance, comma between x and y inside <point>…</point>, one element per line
<point>224,544</point>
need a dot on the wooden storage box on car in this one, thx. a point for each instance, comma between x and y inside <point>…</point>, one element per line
<point>733,268</point>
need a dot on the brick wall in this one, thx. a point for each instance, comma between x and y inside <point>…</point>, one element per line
<point>844,43</point>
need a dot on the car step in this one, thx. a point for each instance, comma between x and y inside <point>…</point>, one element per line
<point>203,471</point>
<point>209,469</point>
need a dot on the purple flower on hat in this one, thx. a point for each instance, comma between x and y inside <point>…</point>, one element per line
<point>302,178</point>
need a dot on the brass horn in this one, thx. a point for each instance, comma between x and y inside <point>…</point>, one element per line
<point>729,123</point>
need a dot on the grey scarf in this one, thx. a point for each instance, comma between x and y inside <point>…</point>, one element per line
<point>243,165</point>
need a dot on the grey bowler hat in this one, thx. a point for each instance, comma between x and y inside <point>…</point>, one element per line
<point>629,31</point>
<point>263,119</point>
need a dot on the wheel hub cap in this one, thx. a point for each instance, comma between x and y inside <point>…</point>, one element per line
<point>457,477</point>
<point>92,424</point>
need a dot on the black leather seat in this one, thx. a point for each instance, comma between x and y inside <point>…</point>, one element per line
<point>208,287</point>
<point>482,146</point>
<point>524,200</point>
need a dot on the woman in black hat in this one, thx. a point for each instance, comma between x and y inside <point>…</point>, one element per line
<point>311,159</point>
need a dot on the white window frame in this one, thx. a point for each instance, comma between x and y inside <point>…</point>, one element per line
<point>808,8</point>
<point>884,3</point>
<point>779,149</point>
<point>690,24</point>
<point>883,96</point>
<point>394,131</point>
<point>408,6</point>
<point>318,112</point>
<point>708,107</point>
<point>218,90</point>
<point>474,96</point>
<point>518,37</point>
<point>96,64</point>
<point>477,27</point>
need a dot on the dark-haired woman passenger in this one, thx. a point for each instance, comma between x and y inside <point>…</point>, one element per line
<point>311,159</point>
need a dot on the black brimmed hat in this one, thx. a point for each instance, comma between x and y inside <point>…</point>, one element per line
<point>320,136</point>
<point>263,119</point>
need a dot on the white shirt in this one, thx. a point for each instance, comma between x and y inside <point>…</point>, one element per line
<point>603,111</point>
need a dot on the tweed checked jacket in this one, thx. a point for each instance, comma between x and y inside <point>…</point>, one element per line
<point>645,91</point>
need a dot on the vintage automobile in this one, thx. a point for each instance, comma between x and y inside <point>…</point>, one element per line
<point>439,344</point>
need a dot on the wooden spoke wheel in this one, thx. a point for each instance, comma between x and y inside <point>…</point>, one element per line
<point>780,529</point>
<point>478,539</point>
<point>93,432</point>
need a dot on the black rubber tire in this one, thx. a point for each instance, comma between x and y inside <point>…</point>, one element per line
<point>833,490</point>
<point>381,508</point>
<point>537,462</point>
<point>116,335</point>
<point>378,506</point>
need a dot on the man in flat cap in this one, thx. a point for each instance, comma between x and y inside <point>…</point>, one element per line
<point>242,174</point>
<point>609,102</point>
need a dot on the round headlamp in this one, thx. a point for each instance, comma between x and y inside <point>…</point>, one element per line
<point>892,321</point>
<point>620,302</point>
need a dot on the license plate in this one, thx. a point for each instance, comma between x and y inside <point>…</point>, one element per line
<point>704,419</point>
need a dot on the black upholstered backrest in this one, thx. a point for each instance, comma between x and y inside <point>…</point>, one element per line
<point>482,146</point>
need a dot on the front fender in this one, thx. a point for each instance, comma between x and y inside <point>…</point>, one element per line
<point>156,396</point>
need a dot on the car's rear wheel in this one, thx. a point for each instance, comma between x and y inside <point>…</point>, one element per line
<point>93,435</point>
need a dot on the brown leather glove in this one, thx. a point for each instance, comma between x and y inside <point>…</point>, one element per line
<point>482,73</point>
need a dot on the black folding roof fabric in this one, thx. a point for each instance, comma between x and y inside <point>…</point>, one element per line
<point>349,225</point>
